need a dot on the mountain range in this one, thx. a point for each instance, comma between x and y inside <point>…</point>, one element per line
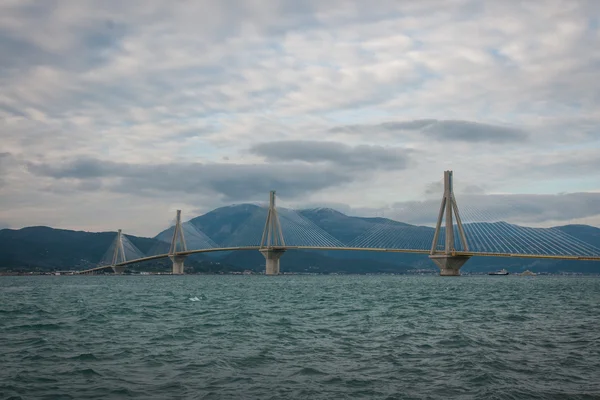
<point>44,248</point>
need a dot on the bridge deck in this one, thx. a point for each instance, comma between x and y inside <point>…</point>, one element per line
<point>412,251</point>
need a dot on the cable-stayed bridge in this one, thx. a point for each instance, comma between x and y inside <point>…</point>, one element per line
<point>273,230</point>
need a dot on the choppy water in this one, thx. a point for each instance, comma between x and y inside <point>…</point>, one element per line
<point>306,337</point>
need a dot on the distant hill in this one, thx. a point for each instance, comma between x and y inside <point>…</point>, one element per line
<point>41,247</point>
<point>585,233</point>
<point>341,226</point>
<point>45,248</point>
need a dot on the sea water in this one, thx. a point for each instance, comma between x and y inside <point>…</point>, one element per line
<point>303,337</point>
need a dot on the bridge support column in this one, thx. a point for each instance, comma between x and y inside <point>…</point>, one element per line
<point>118,270</point>
<point>177,245</point>
<point>272,257</point>
<point>448,262</point>
<point>449,265</point>
<point>118,254</point>
<point>272,245</point>
<point>177,264</point>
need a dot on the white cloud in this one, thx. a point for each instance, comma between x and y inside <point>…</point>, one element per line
<point>150,83</point>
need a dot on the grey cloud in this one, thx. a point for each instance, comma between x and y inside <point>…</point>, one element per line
<point>447,130</point>
<point>7,161</point>
<point>473,132</point>
<point>362,156</point>
<point>78,69</point>
<point>108,23</point>
<point>5,157</point>
<point>574,163</point>
<point>386,126</point>
<point>408,125</point>
<point>11,110</point>
<point>94,46</point>
<point>233,181</point>
<point>434,189</point>
<point>192,133</point>
<point>28,54</point>
<point>473,189</point>
<point>90,185</point>
<point>81,168</point>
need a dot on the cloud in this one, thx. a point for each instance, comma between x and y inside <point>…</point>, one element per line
<point>465,131</point>
<point>81,168</point>
<point>338,101</point>
<point>434,189</point>
<point>5,159</point>
<point>234,182</point>
<point>473,132</point>
<point>566,163</point>
<point>474,189</point>
<point>361,156</point>
<point>7,164</point>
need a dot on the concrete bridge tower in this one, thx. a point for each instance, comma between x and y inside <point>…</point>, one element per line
<point>177,245</point>
<point>272,245</point>
<point>447,261</point>
<point>118,254</point>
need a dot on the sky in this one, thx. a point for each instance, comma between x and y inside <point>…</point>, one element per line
<point>113,114</point>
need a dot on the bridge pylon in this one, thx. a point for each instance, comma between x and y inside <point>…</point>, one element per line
<point>446,260</point>
<point>272,244</point>
<point>118,254</point>
<point>177,245</point>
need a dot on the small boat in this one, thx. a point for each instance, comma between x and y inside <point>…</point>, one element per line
<point>501,272</point>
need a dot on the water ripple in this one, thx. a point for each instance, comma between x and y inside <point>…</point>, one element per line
<point>317,337</point>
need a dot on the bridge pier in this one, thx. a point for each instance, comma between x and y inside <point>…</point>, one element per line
<point>118,269</point>
<point>177,244</point>
<point>272,257</point>
<point>272,245</point>
<point>177,264</point>
<point>449,265</point>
